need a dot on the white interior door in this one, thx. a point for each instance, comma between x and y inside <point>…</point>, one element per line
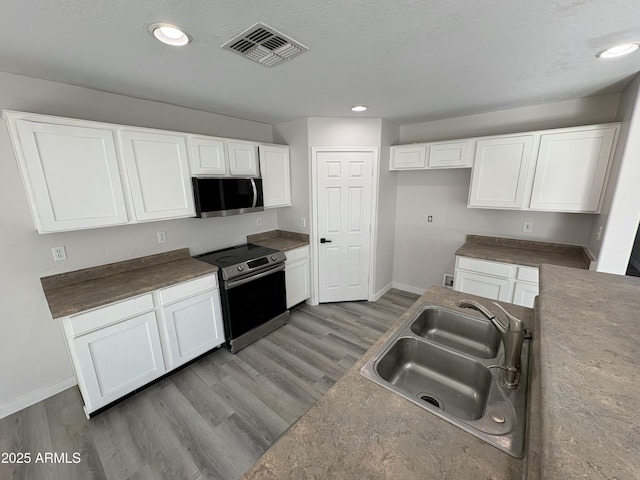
<point>344,197</point>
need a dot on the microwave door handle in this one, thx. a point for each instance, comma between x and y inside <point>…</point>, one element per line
<point>255,192</point>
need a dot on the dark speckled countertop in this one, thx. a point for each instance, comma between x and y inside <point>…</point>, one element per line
<point>525,252</point>
<point>360,430</point>
<point>590,360</point>
<point>279,239</point>
<point>73,292</point>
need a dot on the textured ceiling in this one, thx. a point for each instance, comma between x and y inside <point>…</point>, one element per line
<point>409,61</point>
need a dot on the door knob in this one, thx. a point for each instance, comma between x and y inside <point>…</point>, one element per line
<point>324,240</point>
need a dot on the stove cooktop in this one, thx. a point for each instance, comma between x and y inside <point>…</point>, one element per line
<point>235,255</point>
<point>243,260</point>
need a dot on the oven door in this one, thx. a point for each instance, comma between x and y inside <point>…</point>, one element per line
<point>253,301</point>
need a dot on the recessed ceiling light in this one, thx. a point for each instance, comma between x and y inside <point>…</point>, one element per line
<point>169,34</point>
<point>618,50</point>
<point>358,108</point>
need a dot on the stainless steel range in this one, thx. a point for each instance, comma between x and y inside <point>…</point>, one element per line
<point>253,292</point>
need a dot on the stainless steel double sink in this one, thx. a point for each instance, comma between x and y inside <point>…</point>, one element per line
<point>447,362</point>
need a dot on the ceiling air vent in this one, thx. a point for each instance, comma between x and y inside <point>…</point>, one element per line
<point>264,45</point>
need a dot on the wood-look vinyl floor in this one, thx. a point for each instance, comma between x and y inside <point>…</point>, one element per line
<point>212,419</point>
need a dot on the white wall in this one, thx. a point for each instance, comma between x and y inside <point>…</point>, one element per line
<point>295,134</point>
<point>344,132</point>
<point>32,351</point>
<point>386,221</point>
<point>424,251</point>
<point>621,207</point>
<point>568,113</point>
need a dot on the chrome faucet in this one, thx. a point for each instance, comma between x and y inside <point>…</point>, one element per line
<point>512,334</point>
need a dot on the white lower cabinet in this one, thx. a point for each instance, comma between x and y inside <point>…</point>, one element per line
<point>525,293</point>
<point>192,327</point>
<point>297,275</point>
<point>482,285</point>
<point>495,280</point>
<point>114,350</point>
<point>120,347</point>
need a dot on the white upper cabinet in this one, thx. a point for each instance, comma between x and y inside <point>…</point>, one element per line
<point>243,159</point>
<point>70,173</point>
<point>158,169</point>
<point>208,156</point>
<point>500,172</point>
<point>408,157</point>
<point>562,170</point>
<point>274,170</point>
<point>451,154</point>
<point>571,170</point>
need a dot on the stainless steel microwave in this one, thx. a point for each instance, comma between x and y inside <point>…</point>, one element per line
<point>220,197</point>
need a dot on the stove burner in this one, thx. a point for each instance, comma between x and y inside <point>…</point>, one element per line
<point>229,259</point>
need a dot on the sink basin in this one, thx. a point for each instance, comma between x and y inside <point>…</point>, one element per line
<point>444,362</point>
<point>452,382</point>
<point>465,333</point>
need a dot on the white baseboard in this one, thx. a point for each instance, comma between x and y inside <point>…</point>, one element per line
<point>35,397</point>
<point>384,290</point>
<point>408,288</point>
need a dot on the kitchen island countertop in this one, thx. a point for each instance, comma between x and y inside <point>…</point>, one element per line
<point>590,344</point>
<point>361,430</point>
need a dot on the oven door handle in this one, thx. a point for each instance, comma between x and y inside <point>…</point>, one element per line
<point>236,283</point>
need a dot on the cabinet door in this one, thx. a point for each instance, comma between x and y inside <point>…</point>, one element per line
<point>450,154</point>
<point>158,171</point>
<point>524,294</point>
<point>571,170</point>
<point>115,360</point>
<point>408,157</point>
<point>276,181</point>
<point>243,160</point>
<point>193,326</point>
<point>500,172</point>
<point>71,175</point>
<point>208,156</point>
<point>482,285</point>
<point>297,281</point>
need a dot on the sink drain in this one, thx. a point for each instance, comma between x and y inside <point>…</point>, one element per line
<point>431,400</point>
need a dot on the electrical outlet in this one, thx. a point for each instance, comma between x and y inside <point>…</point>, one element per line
<point>599,234</point>
<point>303,222</point>
<point>162,237</point>
<point>430,218</point>
<point>259,221</point>
<point>59,253</point>
<point>527,227</point>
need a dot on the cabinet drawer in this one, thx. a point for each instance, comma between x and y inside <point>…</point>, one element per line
<point>186,289</point>
<point>86,322</point>
<point>527,274</point>
<point>484,266</point>
<point>297,254</point>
